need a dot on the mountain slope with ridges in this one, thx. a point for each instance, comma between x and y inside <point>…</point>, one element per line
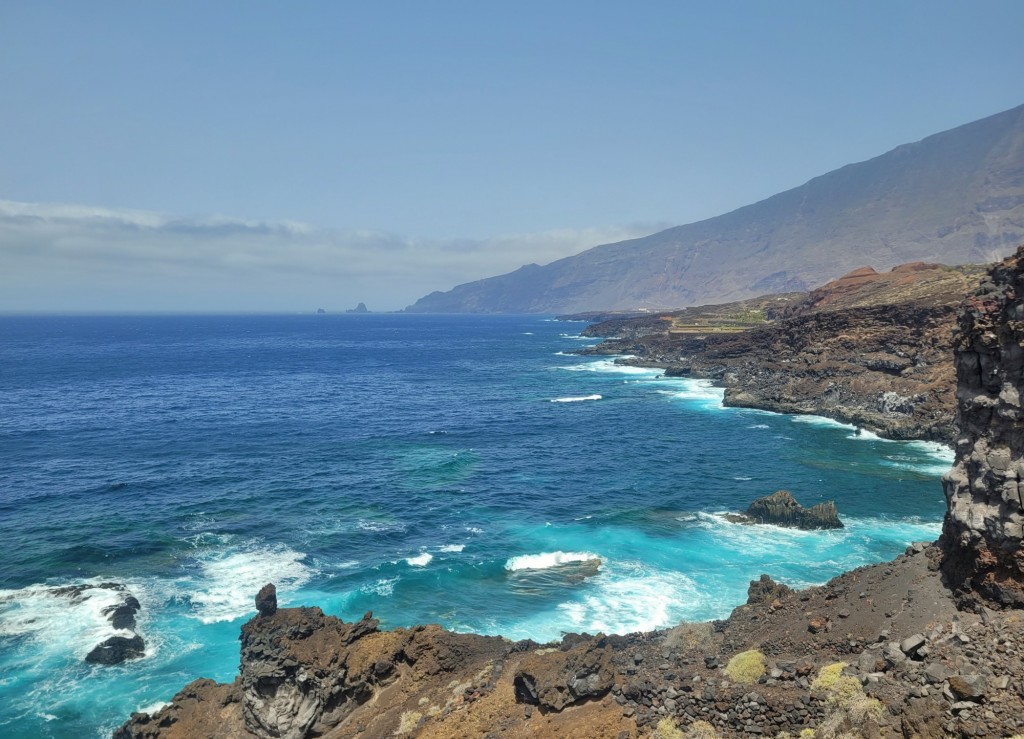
<point>954,197</point>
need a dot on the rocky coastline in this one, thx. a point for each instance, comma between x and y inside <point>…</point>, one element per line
<point>927,645</point>
<point>870,349</point>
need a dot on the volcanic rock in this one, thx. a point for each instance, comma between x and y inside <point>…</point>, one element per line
<point>780,508</point>
<point>116,649</point>
<point>984,526</point>
<point>565,678</point>
<point>266,600</point>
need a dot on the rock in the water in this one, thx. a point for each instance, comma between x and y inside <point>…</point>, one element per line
<point>780,508</point>
<point>984,525</point>
<point>117,649</point>
<point>266,600</point>
<point>122,616</point>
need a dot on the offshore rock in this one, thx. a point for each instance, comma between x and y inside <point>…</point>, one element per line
<point>116,649</point>
<point>780,508</point>
<point>984,524</point>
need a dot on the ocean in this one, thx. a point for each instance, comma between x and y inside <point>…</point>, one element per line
<point>467,471</point>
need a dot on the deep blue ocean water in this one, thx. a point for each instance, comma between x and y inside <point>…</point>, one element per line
<point>441,469</point>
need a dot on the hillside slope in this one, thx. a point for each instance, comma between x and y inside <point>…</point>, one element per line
<point>955,197</point>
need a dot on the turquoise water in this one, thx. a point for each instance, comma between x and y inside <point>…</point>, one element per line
<point>467,471</point>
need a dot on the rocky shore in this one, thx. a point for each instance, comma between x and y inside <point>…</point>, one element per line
<point>872,349</point>
<point>927,645</point>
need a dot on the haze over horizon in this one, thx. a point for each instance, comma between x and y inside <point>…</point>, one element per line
<point>226,158</point>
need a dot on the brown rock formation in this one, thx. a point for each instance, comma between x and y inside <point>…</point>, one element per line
<point>984,525</point>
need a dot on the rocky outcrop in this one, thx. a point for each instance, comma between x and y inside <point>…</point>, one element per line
<point>266,600</point>
<point>766,590</point>
<point>780,508</point>
<point>984,526</point>
<point>559,679</point>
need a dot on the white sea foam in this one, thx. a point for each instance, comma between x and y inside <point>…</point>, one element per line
<point>632,598</point>
<point>420,560</point>
<point>609,366</point>
<point>822,422</point>
<point>703,391</point>
<point>376,526</point>
<point>544,560</point>
<point>742,479</point>
<point>474,529</point>
<point>452,548</point>
<point>577,399</point>
<point>57,622</point>
<point>383,587</point>
<point>759,426</point>
<point>230,577</point>
<point>153,707</point>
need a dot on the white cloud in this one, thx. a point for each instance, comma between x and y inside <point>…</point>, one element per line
<point>72,257</point>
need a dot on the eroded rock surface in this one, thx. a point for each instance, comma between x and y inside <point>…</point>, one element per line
<point>984,525</point>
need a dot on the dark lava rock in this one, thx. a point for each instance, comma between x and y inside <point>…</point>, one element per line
<point>122,616</point>
<point>117,649</point>
<point>766,590</point>
<point>266,600</point>
<point>780,508</point>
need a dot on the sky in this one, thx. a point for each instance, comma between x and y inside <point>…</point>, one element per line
<point>280,157</point>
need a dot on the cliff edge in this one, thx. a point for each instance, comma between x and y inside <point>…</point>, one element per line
<point>984,526</point>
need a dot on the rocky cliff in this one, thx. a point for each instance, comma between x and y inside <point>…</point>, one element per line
<point>954,197</point>
<point>984,528</point>
<point>871,348</point>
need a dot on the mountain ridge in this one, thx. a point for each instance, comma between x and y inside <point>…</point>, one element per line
<point>954,197</point>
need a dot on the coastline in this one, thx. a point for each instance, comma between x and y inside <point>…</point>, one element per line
<point>876,652</point>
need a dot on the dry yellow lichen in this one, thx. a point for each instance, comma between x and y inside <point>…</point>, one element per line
<point>746,667</point>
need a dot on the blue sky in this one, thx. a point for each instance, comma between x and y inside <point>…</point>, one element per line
<point>185,156</point>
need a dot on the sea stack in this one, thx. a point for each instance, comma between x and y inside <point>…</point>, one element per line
<point>266,600</point>
<point>780,508</point>
<point>984,524</point>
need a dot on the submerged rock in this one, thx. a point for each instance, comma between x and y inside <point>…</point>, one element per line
<point>780,508</point>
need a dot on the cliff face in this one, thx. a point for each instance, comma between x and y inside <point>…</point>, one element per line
<point>984,527</point>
